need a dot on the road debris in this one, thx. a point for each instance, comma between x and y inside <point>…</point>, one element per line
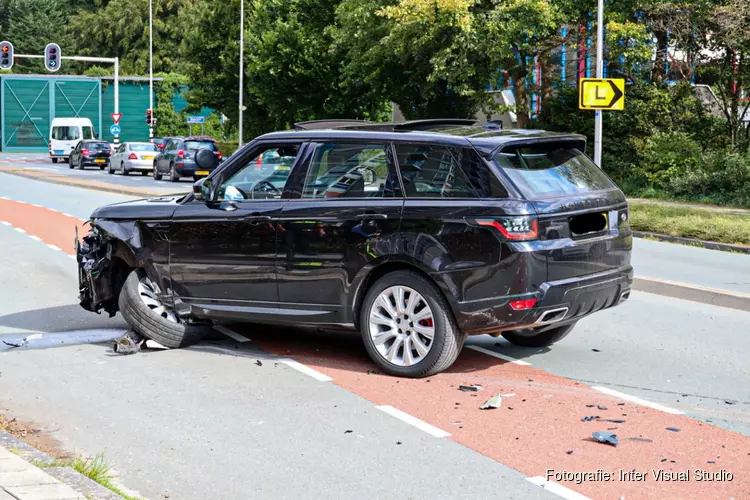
<point>24,341</point>
<point>589,419</point>
<point>663,460</point>
<point>640,439</point>
<point>569,452</point>
<point>258,362</point>
<point>398,442</point>
<point>470,388</point>
<point>601,407</point>
<point>596,350</point>
<point>590,406</point>
<point>730,402</point>
<point>348,431</point>
<point>492,403</point>
<point>130,343</point>
<point>613,420</point>
<point>673,429</point>
<point>606,437</point>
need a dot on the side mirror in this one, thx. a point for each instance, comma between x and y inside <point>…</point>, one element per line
<point>203,189</point>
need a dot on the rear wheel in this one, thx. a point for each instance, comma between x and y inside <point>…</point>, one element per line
<point>407,327</point>
<point>532,338</point>
<point>143,172</point>
<point>157,175</point>
<point>102,167</point>
<point>54,160</point>
<point>146,314</point>
<point>173,174</point>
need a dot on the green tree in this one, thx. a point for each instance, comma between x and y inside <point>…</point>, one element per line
<point>31,25</point>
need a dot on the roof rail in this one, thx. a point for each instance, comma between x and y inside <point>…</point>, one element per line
<point>433,123</point>
<point>333,123</point>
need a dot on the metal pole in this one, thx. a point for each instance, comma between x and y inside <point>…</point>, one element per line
<point>117,93</point>
<point>242,65</point>
<point>599,73</point>
<point>151,66</point>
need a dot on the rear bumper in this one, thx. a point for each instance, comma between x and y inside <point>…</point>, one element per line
<point>145,165</point>
<point>558,303</point>
<point>188,168</point>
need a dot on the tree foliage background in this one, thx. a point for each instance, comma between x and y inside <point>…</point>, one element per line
<point>311,59</point>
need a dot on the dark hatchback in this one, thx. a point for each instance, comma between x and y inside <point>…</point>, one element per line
<point>90,153</point>
<point>416,234</point>
<point>177,158</point>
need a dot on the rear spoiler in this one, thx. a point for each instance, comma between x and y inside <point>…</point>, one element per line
<point>577,140</point>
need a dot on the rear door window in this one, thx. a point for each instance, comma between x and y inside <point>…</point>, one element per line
<point>551,170</point>
<point>196,145</point>
<point>433,171</point>
<point>88,133</point>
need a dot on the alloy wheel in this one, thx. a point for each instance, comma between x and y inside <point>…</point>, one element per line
<point>147,291</point>
<point>402,326</point>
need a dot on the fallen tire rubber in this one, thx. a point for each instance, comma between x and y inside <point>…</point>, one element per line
<point>146,322</point>
<point>447,341</point>
<point>542,339</point>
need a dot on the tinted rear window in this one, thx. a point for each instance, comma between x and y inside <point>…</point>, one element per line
<point>97,146</point>
<point>195,145</point>
<point>551,170</point>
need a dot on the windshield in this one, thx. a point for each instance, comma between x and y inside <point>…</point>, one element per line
<point>196,145</point>
<point>551,170</point>
<point>65,133</point>
<point>143,147</point>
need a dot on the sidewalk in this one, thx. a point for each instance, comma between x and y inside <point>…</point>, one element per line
<point>20,480</point>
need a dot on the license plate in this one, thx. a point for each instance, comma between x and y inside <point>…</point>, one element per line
<point>201,172</point>
<point>59,152</point>
<point>148,157</point>
<point>100,161</point>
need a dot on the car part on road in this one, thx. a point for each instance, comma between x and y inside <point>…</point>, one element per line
<point>493,403</point>
<point>130,343</point>
<point>143,306</point>
<point>606,437</point>
<point>406,328</point>
<point>469,388</point>
<point>533,337</point>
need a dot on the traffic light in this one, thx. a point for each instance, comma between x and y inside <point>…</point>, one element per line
<point>149,117</point>
<point>6,55</point>
<point>52,57</point>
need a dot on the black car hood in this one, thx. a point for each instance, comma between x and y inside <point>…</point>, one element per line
<point>160,207</point>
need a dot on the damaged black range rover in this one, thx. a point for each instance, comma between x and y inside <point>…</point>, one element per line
<point>415,234</point>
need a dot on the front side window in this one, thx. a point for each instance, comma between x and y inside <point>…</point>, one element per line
<point>348,171</point>
<point>263,176</point>
<point>434,171</point>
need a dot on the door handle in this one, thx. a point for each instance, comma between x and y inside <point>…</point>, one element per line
<point>371,216</point>
<point>256,218</point>
<point>228,207</point>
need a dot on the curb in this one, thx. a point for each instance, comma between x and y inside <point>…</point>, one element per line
<point>711,245</point>
<point>66,475</point>
<point>98,186</point>
<point>693,293</point>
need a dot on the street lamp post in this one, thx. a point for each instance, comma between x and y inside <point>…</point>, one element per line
<point>242,66</point>
<point>599,74</point>
<point>151,67</point>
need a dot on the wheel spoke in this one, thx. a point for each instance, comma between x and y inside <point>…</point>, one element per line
<point>421,348</point>
<point>383,337</point>
<point>392,353</point>
<point>423,314</point>
<point>400,300</point>
<point>425,331</point>
<point>408,358</point>
<point>377,318</point>
<point>385,303</point>
<point>414,300</point>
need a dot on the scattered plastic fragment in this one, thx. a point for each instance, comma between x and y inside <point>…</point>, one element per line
<point>130,343</point>
<point>508,395</point>
<point>348,431</point>
<point>398,442</point>
<point>469,388</point>
<point>613,420</point>
<point>601,407</point>
<point>569,452</point>
<point>620,404</point>
<point>596,350</point>
<point>374,372</point>
<point>590,406</point>
<point>611,428</point>
<point>673,429</point>
<point>605,437</point>
<point>492,403</point>
<point>258,362</point>
<point>712,461</point>
<point>589,419</point>
<point>25,340</point>
<point>729,402</point>
<point>640,439</point>
<point>663,460</point>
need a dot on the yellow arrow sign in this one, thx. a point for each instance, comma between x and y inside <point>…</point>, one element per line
<point>601,93</point>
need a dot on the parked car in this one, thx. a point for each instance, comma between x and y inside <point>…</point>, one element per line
<point>90,153</point>
<point>65,134</point>
<point>177,158</point>
<point>133,157</point>
<point>415,234</point>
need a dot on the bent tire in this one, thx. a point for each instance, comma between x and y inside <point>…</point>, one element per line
<point>407,327</point>
<point>527,338</point>
<point>147,316</point>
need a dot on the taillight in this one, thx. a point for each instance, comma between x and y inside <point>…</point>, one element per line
<point>133,156</point>
<point>218,153</point>
<point>160,146</point>
<point>85,152</point>
<point>522,305</point>
<point>180,154</point>
<point>514,228</point>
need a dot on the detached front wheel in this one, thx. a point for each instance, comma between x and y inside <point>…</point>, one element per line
<point>148,315</point>
<point>407,327</point>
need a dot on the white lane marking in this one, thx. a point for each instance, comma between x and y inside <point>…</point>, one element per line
<point>231,333</point>
<point>19,201</point>
<point>35,205</point>
<point>54,247</point>
<point>5,197</point>
<point>419,424</point>
<point>35,237</point>
<point>305,369</point>
<point>20,230</point>
<point>637,400</point>
<point>498,355</point>
<point>73,257</point>
<point>556,488</point>
<point>6,223</point>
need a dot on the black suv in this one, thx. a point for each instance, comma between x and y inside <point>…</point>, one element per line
<point>177,158</point>
<point>416,234</point>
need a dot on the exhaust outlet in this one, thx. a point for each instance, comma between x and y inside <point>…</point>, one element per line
<point>624,296</point>
<point>552,316</point>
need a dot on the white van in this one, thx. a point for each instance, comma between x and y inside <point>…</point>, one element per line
<point>65,134</point>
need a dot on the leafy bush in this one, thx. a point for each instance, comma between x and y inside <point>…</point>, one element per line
<point>719,177</point>
<point>665,156</point>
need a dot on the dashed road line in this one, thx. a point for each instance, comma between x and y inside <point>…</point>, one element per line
<point>556,488</point>
<point>20,230</point>
<point>637,400</point>
<point>419,424</point>
<point>305,369</point>
<point>35,237</point>
<point>498,355</point>
<point>231,333</point>
<point>55,247</point>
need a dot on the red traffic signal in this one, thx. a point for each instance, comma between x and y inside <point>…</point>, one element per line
<point>6,55</point>
<point>149,117</point>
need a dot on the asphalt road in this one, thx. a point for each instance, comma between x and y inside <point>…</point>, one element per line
<point>209,422</point>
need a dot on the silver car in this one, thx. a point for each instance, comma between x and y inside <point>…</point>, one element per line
<point>133,157</point>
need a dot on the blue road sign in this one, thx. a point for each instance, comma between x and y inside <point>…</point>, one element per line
<point>114,130</point>
<point>196,119</point>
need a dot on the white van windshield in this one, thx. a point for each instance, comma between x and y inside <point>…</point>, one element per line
<point>67,133</point>
<point>88,133</point>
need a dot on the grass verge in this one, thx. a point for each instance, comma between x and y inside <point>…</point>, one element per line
<point>686,222</point>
